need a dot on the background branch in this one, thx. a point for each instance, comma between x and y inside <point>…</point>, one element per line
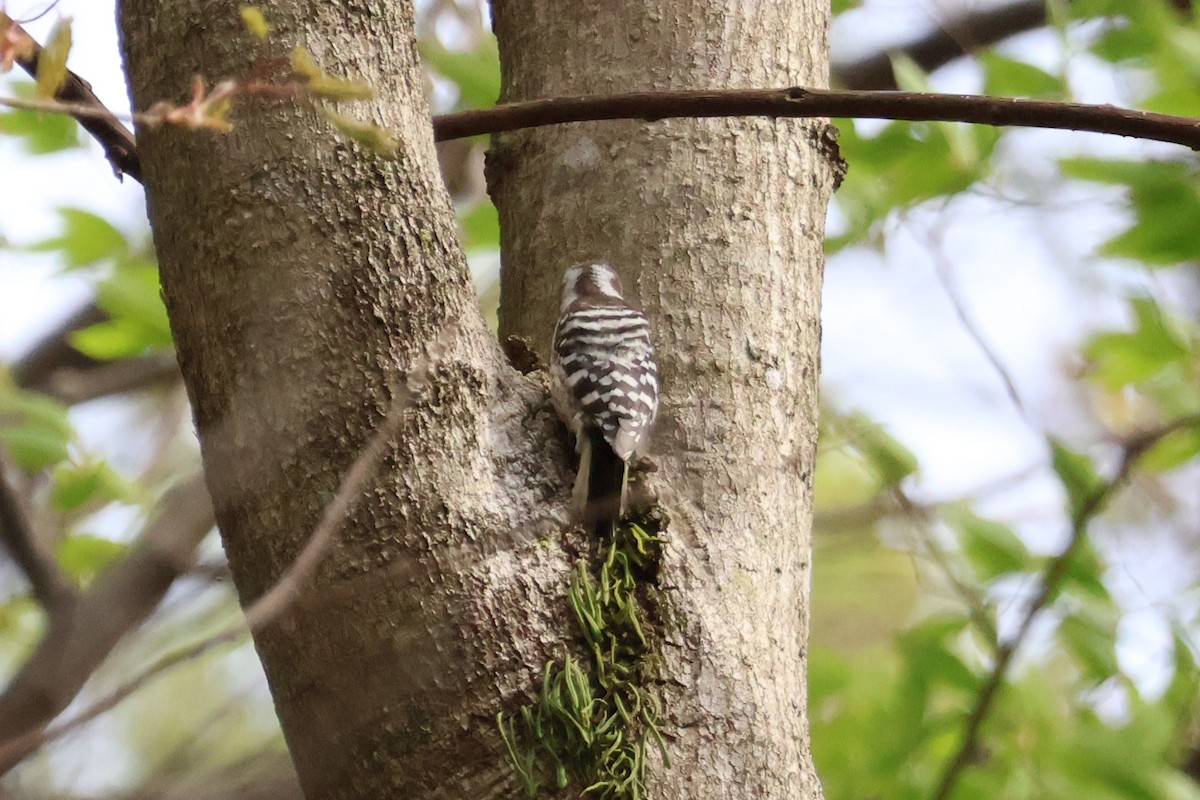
<point>54,367</point>
<point>951,40</point>
<point>47,583</point>
<point>107,378</point>
<point>79,639</point>
<point>1052,578</point>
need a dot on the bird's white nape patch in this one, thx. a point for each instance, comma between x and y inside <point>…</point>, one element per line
<point>570,286</point>
<point>606,280</point>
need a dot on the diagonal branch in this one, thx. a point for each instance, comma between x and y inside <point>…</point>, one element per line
<point>959,36</point>
<point>800,102</point>
<point>1052,578</point>
<point>951,40</point>
<point>47,583</point>
<point>117,141</point>
<point>55,368</point>
<point>37,367</point>
<point>81,637</point>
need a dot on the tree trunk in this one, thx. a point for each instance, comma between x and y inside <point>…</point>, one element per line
<point>303,276</point>
<point>716,227</point>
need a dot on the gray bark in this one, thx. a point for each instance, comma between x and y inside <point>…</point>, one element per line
<point>303,276</point>
<point>716,227</point>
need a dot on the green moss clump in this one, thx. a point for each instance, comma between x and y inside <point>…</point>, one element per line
<point>594,719</point>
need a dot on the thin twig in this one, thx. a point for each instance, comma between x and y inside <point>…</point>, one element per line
<point>801,102</point>
<point>1052,578</point>
<point>945,273</point>
<point>976,606</point>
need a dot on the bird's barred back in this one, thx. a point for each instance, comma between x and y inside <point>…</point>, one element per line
<point>606,362</point>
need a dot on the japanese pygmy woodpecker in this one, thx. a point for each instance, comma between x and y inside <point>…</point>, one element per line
<point>604,386</point>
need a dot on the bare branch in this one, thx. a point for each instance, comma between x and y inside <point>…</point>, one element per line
<point>800,102</point>
<point>79,639</point>
<point>1052,578</point>
<point>47,583</point>
<point>35,370</point>
<point>105,128</point>
<point>54,367</point>
<point>113,377</point>
<point>953,39</point>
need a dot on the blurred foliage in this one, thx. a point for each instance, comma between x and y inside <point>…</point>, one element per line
<point>474,72</point>
<point>39,133</point>
<point>912,599</point>
<point>888,714</point>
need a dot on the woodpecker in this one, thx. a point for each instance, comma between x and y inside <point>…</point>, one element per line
<point>605,387</point>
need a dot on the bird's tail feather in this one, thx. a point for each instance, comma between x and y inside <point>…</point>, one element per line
<point>602,483</point>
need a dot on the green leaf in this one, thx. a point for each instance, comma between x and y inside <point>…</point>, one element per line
<point>85,240</point>
<point>962,140</point>
<point>35,408</point>
<point>34,427</point>
<point>1085,575</point>
<point>476,72</point>
<point>20,619</point>
<point>481,227</point>
<point>76,484</point>
<point>111,340</point>
<point>132,295</point>
<point>376,139</point>
<point>256,24</point>
<point>1121,43</point>
<point>909,75</point>
<point>52,61</point>
<point>1172,450</point>
<point>33,447</point>
<point>1078,476</point>
<point>138,320</point>
<point>1103,761</point>
<point>1120,359</point>
<point>42,132</point>
<point>323,85</point>
<point>890,460</point>
<point>1006,77</point>
<point>991,548</point>
<point>927,651</point>
<point>84,556</point>
<point>1181,692</point>
<point>1165,196</point>
<point>904,164</point>
<point>1092,643</point>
